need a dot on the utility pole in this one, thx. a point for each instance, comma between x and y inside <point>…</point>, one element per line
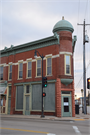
<point>84,68</point>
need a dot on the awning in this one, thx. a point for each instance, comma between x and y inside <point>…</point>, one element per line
<point>3,87</point>
<point>2,90</point>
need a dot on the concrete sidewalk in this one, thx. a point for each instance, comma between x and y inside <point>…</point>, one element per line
<point>78,117</point>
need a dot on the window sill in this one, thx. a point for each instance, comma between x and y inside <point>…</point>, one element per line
<point>27,94</point>
<point>28,77</point>
<point>10,80</point>
<point>38,76</point>
<point>49,75</point>
<point>18,109</point>
<point>20,79</point>
<point>68,74</point>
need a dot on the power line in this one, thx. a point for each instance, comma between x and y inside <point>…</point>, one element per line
<point>82,75</point>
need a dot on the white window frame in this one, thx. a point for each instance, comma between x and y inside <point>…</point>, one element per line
<point>22,69</point>
<point>46,64</point>
<point>9,71</point>
<point>36,66</point>
<point>29,69</point>
<point>69,64</point>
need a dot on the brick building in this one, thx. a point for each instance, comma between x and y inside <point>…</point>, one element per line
<point>21,74</point>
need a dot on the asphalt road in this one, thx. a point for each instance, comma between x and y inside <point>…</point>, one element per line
<point>15,126</point>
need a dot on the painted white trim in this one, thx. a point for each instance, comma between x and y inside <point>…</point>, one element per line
<point>44,58</point>
<point>10,63</point>
<point>33,60</point>
<point>5,65</point>
<point>2,64</point>
<point>55,56</point>
<point>29,59</point>
<point>24,62</point>
<point>68,53</point>
<point>20,61</point>
<point>15,63</point>
<point>49,55</point>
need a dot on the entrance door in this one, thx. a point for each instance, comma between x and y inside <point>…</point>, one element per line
<point>27,104</point>
<point>66,105</point>
<point>26,107</point>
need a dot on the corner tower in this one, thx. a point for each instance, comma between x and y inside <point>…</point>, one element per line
<point>65,79</point>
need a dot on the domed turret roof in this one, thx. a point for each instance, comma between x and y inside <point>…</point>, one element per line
<point>63,25</point>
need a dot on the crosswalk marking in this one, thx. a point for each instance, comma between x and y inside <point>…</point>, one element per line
<point>50,134</point>
<point>76,129</point>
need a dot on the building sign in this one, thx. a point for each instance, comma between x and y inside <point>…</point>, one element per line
<point>66,104</point>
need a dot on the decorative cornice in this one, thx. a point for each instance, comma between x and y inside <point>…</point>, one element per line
<point>29,46</point>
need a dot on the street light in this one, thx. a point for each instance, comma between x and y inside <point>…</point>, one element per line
<point>76,97</point>
<point>35,56</point>
<point>82,99</point>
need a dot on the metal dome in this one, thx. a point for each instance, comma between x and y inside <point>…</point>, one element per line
<point>63,25</point>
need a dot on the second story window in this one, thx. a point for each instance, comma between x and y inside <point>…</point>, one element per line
<point>1,73</point>
<point>49,66</point>
<point>10,72</point>
<point>29,68</point>
<point>67,64</point>
<point>20,70</point>
<point>39,67</point>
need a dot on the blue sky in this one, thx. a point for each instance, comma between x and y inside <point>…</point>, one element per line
<point>24,21</point>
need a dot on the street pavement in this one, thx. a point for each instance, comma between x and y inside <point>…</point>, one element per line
<point>49,125</point>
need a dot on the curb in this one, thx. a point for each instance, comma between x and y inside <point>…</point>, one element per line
<point>39,118</point>
<point>28,118</point>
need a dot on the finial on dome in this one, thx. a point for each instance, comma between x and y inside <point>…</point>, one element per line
<point>62,17</point>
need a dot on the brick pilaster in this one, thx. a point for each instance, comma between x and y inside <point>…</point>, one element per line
<point>58,94</point>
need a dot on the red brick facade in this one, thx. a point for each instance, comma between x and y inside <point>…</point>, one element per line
<point>58,52</point>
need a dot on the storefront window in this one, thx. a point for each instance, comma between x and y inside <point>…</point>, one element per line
<point>19,97</point>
